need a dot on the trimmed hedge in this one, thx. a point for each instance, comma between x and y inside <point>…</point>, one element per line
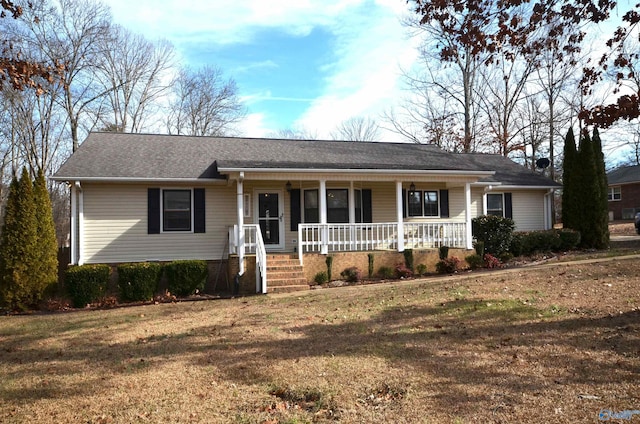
<point>86,283</point>
<point>185,277</point>
<point>527,243</point>
<point>138,281</point>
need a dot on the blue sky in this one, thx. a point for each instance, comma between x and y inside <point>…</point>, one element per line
<point>307,64</point>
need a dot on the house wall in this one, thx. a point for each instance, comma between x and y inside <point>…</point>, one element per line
<point>528,207</point>
<point>629,199</point>
<point>115,217</point>
<point>115,226</point>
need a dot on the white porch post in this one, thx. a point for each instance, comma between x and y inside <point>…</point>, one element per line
<point>324,248</point>
<point>240,235</point>
<point>399,216</point>
<point>80,225</point>
<point>74,225</point>
<point>467,214</point>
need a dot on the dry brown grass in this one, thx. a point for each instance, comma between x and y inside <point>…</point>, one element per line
<point>553,344</point>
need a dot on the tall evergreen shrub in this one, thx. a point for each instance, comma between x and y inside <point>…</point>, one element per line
<point>570,201</point>
<point>602,203</point>
<point>47,247</point>
<point>19,286</point>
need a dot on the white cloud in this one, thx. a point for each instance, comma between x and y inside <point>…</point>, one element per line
<point>254,126</point>
<point>225,21</point>
<point>365,80</point>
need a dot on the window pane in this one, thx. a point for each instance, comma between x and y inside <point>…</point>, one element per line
<point>311,211</point>
<point>176,211</point>
<point>177,199</point>
<point>431,203</point>
<point>415,203</point>
<point>338,205</point>
<point>494,204</point>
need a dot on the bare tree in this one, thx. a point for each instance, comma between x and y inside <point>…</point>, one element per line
<point>357,129</point>
<point>505,83</point>
<point>453,81</point>
<point>203,103</point>
<point>70,32</point>
<point>134,74</point>
<point>296,133</point>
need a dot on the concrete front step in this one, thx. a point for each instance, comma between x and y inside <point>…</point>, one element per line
<point>286,281</point>
<point>287,289</point>
<point>285,274</point>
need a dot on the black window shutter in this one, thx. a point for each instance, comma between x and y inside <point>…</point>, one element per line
<point>198,210</point>
<point>295,208</point>
<point>153,211</point>
<point>444,203</point>
<point>404,203</point>
<point>367,209</point>
<point>508,206</point>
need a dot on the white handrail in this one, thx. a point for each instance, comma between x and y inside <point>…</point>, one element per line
<point>379,236</point>
<point>254,243</point>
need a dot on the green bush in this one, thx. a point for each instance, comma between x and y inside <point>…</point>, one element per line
<point>421,269</point>
<point>408,259</point>
<point>351,274</point>
<point>479,248</point>
<point>184,278</point>
<point>329,262</point>
<point>475,261</point>
<point>516,246</point>
<point>569,239</point>
<point>321,278</point>
<point>448,265</point>
<point>386,272</point>
<point>496,233</point>
<point>138,281</point>
<point>86,283</point>
<point>443,252</point>
<point>371,257</point>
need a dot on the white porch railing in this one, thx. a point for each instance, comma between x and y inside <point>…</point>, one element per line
<point>253,244</point>
<point>324,238</point>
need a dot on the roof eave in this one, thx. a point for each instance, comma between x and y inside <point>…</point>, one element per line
<point>479,174</point>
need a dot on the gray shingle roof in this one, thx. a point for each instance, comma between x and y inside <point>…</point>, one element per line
<point>508,172</point>
<point>147,156</point>
<point>625,174</point>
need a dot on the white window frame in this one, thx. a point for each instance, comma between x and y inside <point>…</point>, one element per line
<point>191,210</point>
<point>611,195</point>
<point>422,215</point>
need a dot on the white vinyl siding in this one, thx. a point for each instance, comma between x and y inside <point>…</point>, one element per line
<point>528,209</point>
<point>115,226</point>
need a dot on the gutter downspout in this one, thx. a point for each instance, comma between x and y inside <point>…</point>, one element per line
<point>73,222</point>
<point>240,234</point>
<point>548,209</point>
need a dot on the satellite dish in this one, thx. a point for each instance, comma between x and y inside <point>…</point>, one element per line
<point>542,163</point>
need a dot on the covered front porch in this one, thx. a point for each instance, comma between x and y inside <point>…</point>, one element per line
<point>301,213</point>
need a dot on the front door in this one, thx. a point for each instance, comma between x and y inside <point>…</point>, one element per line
<point>271,218</point>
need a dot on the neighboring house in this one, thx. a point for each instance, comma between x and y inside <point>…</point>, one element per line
<point>624,192</point>
<point>137,197</point>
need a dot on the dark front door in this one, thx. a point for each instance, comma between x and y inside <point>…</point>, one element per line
<point>270,217</point>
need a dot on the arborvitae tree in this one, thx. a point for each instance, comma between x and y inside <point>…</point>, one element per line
<point>603,204</point>
<point>570,202</point>
<point>18,250</point>
<point>47,248</point>
<point>589,223</point>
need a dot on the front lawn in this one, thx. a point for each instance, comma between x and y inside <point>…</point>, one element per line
<point>557,344</point>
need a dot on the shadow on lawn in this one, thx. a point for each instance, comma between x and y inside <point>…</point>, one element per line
<point>432,340</point>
